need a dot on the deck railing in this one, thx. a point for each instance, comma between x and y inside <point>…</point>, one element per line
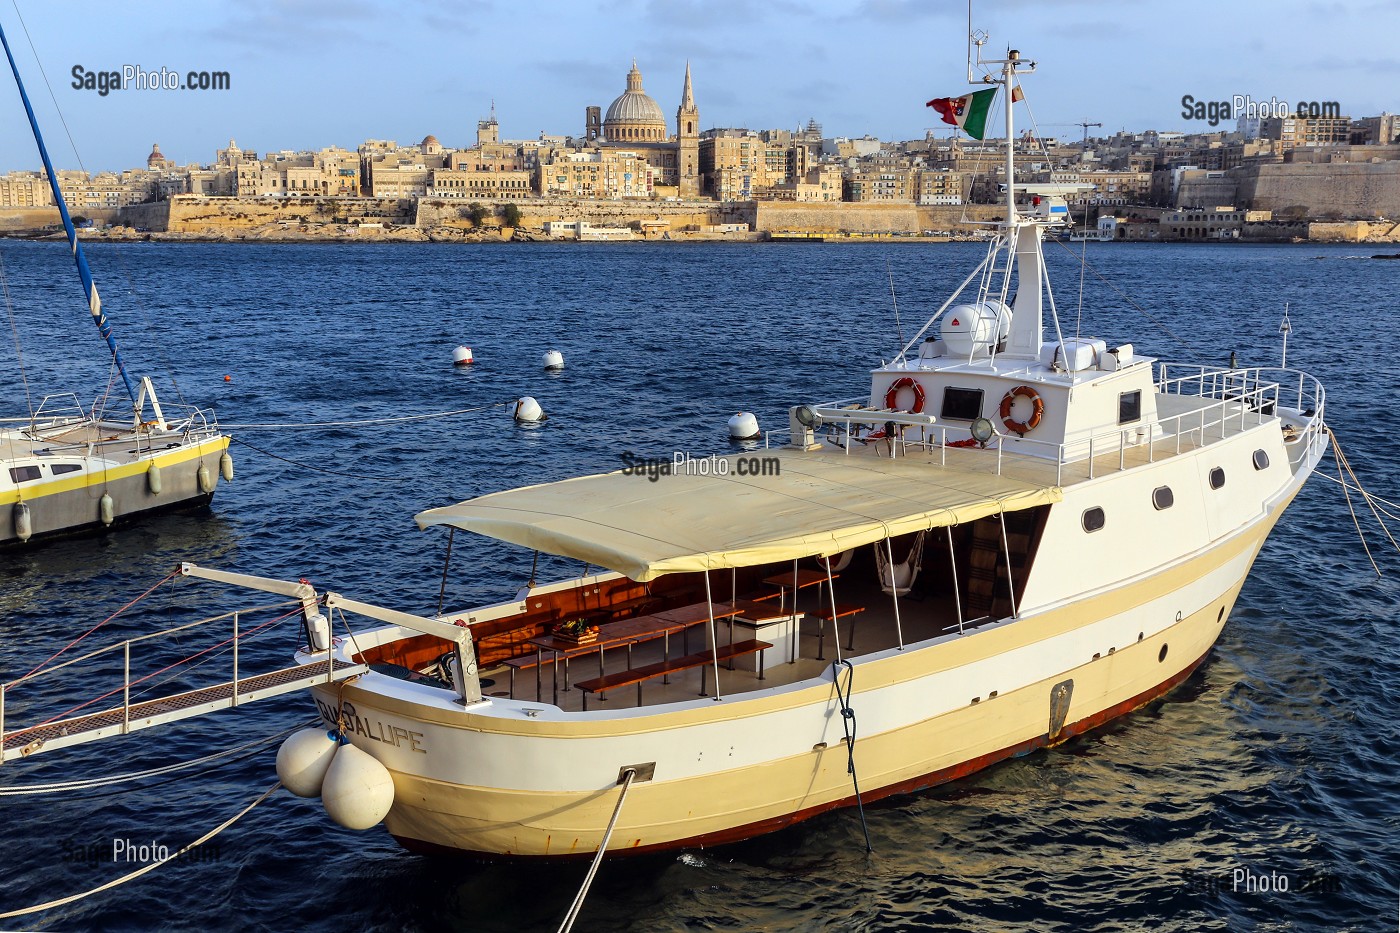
<point>1237,399</point>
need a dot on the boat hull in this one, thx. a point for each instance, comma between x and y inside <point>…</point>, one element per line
<point>496,787</point>
<point>71,505</point>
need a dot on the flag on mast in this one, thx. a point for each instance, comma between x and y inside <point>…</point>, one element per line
<point>968,113</point>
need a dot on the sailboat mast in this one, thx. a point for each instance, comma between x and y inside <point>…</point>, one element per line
<point>104,327</point>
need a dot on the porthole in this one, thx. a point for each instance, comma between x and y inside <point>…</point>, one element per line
<point>1261,459</point>
<point>1217,477</point>
<point>1162,655</point>
<point>1220,616</point>
<point>1162,498</point>
<point>1093,519</point>
<point>1139,636</point>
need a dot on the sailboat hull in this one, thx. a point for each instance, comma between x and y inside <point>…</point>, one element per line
<point>511,786</point>
<point>71,503</point>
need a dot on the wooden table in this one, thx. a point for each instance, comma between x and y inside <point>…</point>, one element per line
<point>804,577</point>
<point>626,633</point>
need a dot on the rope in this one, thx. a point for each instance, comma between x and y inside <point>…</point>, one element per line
<point>848,723</point>
<point>111,779</point>
<point>351,424</point>
<point>166,579</point>
<point>312,467</point>
<point>14,332</point>
<point>1126,297</point>
<point>577,905</point>
<point>131,876</point>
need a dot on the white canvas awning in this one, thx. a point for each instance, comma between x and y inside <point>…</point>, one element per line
<point>813,503</point>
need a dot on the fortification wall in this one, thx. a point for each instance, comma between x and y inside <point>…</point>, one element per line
<point>1323,191</point>
<point>774,216</point>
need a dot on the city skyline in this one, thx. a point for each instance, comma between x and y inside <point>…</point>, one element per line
<point>309,74</point>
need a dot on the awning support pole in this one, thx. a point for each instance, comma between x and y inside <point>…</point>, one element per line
<point>894,593</point>
<point>957,593</point>
<point>714,643</point>
<point>831,597</point>
<point>442,587</point>
<point>1010,584</point>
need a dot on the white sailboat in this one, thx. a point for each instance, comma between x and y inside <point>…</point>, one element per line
<point>65,468</point>
<point>1008,538</point>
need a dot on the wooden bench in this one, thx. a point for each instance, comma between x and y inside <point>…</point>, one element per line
<point>826,615</point>
<point>537,661</point>
<point>638,675</point>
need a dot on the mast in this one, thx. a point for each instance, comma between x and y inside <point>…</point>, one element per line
<point>104,327</point>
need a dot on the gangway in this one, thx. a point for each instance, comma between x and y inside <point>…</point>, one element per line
<point>320,667</point>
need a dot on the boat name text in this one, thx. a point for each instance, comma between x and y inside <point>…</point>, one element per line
<point>372,729</point>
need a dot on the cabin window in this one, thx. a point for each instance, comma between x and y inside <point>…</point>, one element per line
<point>1129,406</point>
<point>61,468</point>
<point>961,404</point>
<point>1162,498</point>
<point>1217,478</point>
<point>24,474</point>
<point>1261,460</point>
<point>1093,519</point>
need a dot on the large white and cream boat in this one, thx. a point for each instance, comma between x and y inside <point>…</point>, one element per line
<point>64,468</point>
<point>1007,538</point>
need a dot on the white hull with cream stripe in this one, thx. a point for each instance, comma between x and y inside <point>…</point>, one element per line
<point>514,778</point>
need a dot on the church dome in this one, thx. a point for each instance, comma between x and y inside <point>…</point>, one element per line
<point>156,159</point>
<point>635,116</point>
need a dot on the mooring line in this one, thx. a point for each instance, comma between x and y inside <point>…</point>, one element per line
<point>577,905</point>
<point>848,723</point>
<point>304,425</point>
<point>131,876</point>
<point>111,779</point>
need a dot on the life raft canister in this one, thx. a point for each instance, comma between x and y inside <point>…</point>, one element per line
<point>1037,409</point>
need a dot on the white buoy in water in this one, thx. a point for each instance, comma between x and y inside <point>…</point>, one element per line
<point>153,479</point>
<point>357,791</point>
<point>106,509</point>
<point>24,524</point>
<point>226,466</point>
<point>462,356</point>
<point>205,479</point>
<point>303,760</point>
<point>528,411</point>
<point>553,359</point>
<point>743,426</point>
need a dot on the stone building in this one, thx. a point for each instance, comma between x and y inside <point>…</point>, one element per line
<point>1306,131</point>
<point>635,122</point>
<point>25,189</point>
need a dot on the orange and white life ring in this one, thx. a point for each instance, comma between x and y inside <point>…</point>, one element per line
<point>905,382</point>
<point>1008,401</point>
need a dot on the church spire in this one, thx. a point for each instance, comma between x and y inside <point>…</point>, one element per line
<point>687,96</point>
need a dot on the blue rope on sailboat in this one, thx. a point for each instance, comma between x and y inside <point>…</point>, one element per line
<point>848,723</point>
<point>104,327</point>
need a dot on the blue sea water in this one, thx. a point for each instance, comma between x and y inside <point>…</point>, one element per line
<point>1276,759</point>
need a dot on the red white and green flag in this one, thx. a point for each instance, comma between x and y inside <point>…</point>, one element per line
<point>968,113</point>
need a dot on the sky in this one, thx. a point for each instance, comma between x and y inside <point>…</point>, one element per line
<point>304,74</point>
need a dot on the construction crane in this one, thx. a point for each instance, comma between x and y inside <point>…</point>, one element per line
<point>1086,124</point>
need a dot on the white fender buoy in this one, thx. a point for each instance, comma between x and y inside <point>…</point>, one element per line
<point>528,411</point>
<point>303,760</point>
<point>153,479</point>
<point>24,523</point>
<point>553,359</point>
<point>206,480</point>
<point>106,509</point>
<point>226,467</point>
<point>357,791</point>
<point>743,426</point>
<point>462,356</point>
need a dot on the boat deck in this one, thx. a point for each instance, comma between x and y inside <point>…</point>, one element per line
<point>926,613</point>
